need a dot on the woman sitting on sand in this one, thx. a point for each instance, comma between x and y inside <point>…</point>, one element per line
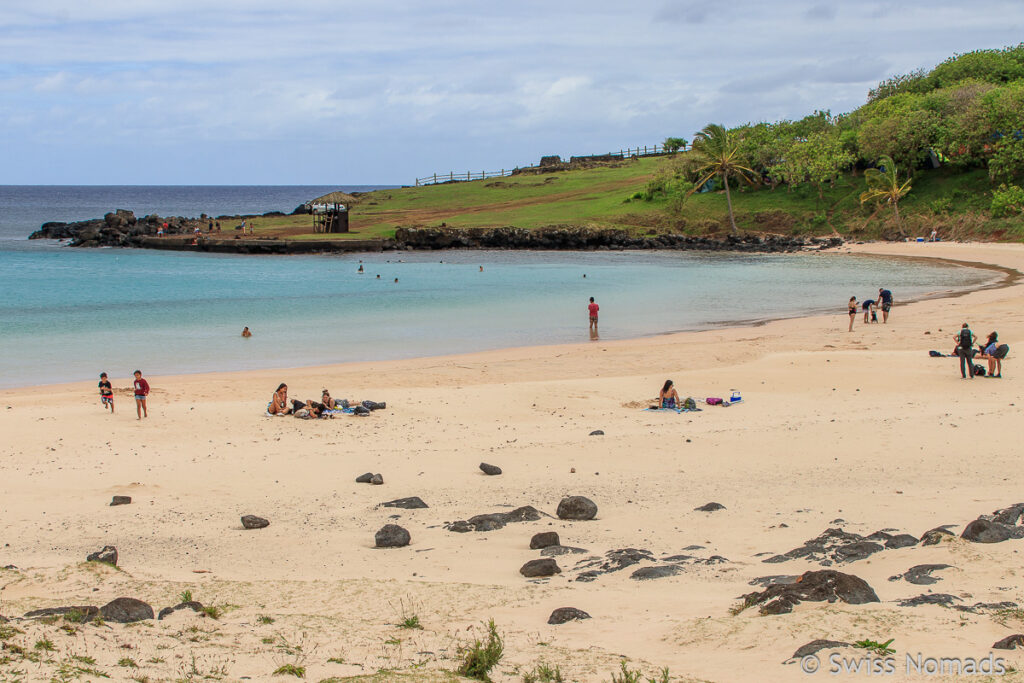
<point>669,397</point>
<point>279,401</point>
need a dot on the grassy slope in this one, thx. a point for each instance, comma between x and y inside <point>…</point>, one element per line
<point>955,203</point>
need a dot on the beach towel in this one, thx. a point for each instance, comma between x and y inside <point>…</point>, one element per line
<point>672,410</point>
<point>339,411</point>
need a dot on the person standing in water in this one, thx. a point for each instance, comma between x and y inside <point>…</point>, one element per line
<point>593,308</point>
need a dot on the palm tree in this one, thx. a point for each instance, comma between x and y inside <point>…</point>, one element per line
<point>884,184</point>
<point>717,153</point>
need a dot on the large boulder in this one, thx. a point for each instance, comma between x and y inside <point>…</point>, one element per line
<point>985,531</point>
<point>542,567</point>
<point>814,586</point>
<point>126,611</point>
<point>254,522</point>
<point>577,508</point>
<point>544,539</point>
<point>391,536</point>
<point>564,614</point>
<point>108,556</point>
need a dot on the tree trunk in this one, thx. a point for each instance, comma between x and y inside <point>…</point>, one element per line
<point>728,200</point>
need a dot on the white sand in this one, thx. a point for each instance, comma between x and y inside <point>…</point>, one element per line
<point>863,426</point>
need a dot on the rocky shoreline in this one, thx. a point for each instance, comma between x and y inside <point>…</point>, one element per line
<point>122,229</point>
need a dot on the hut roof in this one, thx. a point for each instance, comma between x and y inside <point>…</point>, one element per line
<point>334,198</point>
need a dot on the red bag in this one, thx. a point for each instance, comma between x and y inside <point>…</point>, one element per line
<point>713,401</point>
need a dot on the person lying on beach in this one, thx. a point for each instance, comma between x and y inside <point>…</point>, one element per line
<point>332,404</point>
<point>669,397</point>
<point>279,401</point>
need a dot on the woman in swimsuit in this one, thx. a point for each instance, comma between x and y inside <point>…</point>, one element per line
<point>279,401</point>
<point>669,397</point>
<point>853,311</point>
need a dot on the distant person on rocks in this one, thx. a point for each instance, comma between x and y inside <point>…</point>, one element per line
<point>141,387</point>
<point>218,226</point>
<point>246,333</point>
<point>106,393</point>
<point>209,228</point>
<point>592,309</point>
<point>852,309</point>
<point>668,397</point>
<point>252,228</point>
<point>965,349</point>
<point>885,299</point>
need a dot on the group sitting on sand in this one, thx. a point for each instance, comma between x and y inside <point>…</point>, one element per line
<point>326,407</point>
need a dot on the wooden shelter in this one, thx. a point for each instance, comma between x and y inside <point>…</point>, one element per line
<point>330,212</point>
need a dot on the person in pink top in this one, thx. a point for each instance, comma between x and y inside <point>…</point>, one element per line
<point>141,392</point>
<point>593,308</point>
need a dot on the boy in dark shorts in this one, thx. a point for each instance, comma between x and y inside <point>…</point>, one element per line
<point>141,387</point>
<point>106,393</point>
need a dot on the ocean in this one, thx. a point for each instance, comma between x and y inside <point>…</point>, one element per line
<point>69,314</point>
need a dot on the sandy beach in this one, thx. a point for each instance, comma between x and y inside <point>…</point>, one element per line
<point>858,431</point>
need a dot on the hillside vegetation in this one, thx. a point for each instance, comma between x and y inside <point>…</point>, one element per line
<point>956,133</point>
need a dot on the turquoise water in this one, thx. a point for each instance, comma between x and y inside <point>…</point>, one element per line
<point>68,314</point>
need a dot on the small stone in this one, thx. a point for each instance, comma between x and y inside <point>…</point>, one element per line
<point>108,556</point>
<point>816,645</point>
<point>391,536</point>
<point>490,470</point>
<point>647,573</point>
<point>544,540</point>
<point>167,611</point>
<point>376,480</point>
<point>126,611</point>
<point>596,432</point>
<point>121,500</point>
<point>254,522</point>
<point>577,508</point>
<point>364,478</point>
<point>542,567</point>
<point>555,550</point>
<point>411,503</point>
<point>564,614</point>
<point>900,541</point>
<point>921,575</point>
<point>936,536</point>
<point>1008,643</point>
<point>710,507</point>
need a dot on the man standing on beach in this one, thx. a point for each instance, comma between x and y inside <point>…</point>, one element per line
<point>965,349</point>
<point>593,308</point>
<point>885,299</point>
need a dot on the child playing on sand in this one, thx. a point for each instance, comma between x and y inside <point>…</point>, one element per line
<point>106,393</point>
<point>141,387</point>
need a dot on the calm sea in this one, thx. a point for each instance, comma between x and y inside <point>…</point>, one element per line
<point>69,314</point>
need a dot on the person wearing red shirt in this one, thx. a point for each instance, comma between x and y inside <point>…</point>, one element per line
<point>593,308</point>
<point>141,392</point>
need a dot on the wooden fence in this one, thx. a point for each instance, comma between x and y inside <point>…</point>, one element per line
<point>463,176</point>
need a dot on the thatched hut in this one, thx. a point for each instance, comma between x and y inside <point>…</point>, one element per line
<point>330,212</point>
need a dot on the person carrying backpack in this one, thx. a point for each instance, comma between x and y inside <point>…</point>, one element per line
<point>965,349</point>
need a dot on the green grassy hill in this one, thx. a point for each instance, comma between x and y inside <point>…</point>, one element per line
<point>611,196</point>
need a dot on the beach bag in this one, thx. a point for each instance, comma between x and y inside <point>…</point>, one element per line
<point>689,404</point>
<point>935,354</point>
<point>713,401</point>
<point>979,369</point>
<point>1001,351</point>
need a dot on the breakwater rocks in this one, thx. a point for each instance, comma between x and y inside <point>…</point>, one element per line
<point>122,229</point>
<point>583,239</point>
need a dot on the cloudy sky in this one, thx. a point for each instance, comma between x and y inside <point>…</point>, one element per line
<point>335,92</point>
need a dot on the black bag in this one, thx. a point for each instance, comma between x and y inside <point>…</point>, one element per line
<point>979,369</point>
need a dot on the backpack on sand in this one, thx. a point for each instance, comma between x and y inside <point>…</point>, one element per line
<point>979,369</point>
